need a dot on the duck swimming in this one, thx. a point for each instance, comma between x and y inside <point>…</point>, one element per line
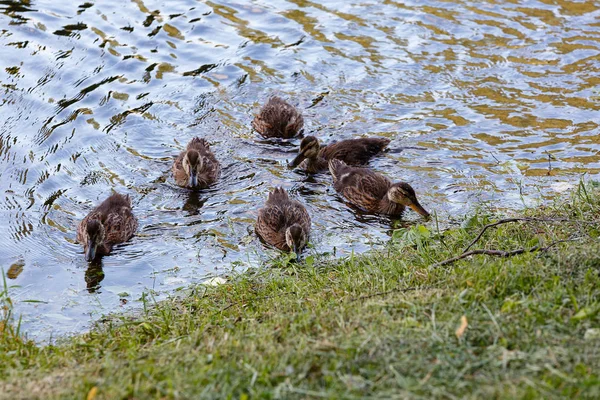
<point>111,223</point>
<point>196,167</point>
<point>314,158</point>
<point>278,119</point>
<point>283,223</point>
<point>373,192</point>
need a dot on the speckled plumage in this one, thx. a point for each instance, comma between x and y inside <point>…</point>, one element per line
<point>370,191</point>
<point>278,119</point>
<point>118,222</point>
<point>352,151</point>
<point>279,213</point>
<point>210,168</point>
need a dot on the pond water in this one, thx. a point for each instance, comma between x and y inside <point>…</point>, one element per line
<point>485,102</point>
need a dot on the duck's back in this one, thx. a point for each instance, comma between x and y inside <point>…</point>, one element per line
<point>270,223</point>
<point>354,151</point>
<point>278,119</point>
<point>202,147</point>
<point>116,216</point>
<point>279,213</point>
<point>211,168</point>
<point>120,223</point>
<point>361,186</point>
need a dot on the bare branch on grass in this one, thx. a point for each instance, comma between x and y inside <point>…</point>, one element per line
<point>500,253</point>
<point>526,219</point>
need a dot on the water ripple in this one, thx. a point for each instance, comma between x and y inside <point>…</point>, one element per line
<point>488,102</point>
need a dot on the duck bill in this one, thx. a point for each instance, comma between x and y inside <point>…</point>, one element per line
<point>90,253</point>
<point>419,208</point>
<point>194,178</point>
<point>296,161</point>
<point>297,253</point>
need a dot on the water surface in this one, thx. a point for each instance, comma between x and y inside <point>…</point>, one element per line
<point>485,102</point>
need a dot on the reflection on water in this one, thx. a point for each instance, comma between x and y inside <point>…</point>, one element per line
<point>93,276</point>
<point>483,101</point>
<point>193,203</point>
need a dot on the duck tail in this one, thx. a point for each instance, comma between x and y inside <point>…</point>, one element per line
<point>335,167</point>
<point>277,195</point>
<point>275,100</point>
<point>384,142</point>
<point>197,144</point>
<point>375,145</point>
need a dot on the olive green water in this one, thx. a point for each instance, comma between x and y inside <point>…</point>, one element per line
<point>488,102</point>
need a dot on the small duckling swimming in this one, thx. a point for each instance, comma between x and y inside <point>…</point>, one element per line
<point>283,223</point>
<point>313,158</point>
<point>196,167</point>
<point>111,223</point>
<point>373,192</point>
<point>278,119</point>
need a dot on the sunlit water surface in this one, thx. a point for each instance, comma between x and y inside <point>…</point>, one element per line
<point>485,103</point>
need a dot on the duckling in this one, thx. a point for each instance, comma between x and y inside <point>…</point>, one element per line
<point>279,119</point>
<point>196,167</point>
<point>373,192</point>
<point>283,223</point>
<point>111,223</point>
<point>313,158</point>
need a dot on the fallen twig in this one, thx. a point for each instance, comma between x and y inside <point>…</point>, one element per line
<point>485,228</point>
<point>524,219</point>
<point>499,253</point>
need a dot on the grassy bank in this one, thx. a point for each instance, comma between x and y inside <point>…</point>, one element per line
<point>389,324</point>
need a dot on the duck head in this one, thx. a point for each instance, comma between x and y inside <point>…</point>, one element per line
<point>403,193</point>
<point>309,148</point>
<point>192,164</point>
<point>95,235</point>
<point>296,239</point>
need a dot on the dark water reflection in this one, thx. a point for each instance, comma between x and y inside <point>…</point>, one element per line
<point>477,97</point>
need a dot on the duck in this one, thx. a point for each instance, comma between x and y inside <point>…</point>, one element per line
<point>314,158</point>
<point>373,192</point>
<point>283,223</point>
<point>110,223</point>
<point>278,119</point>
<point>196,167</point>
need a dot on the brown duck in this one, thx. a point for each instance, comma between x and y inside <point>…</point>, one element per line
<point>313,158</point>
<point>283,223</point>
<point>111,223</point>
<point>373,192</point>
<point>196,167</point>
<point>278,119</point>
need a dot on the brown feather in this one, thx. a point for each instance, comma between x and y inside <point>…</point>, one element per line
<point>118,221</point>
<point>364,188</point>
<point>352,151</point>
<point>211,168</point>
<point>279,213</point>
<point>278,118</point>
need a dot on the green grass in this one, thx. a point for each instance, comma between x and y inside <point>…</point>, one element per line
<point>381,325</point>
